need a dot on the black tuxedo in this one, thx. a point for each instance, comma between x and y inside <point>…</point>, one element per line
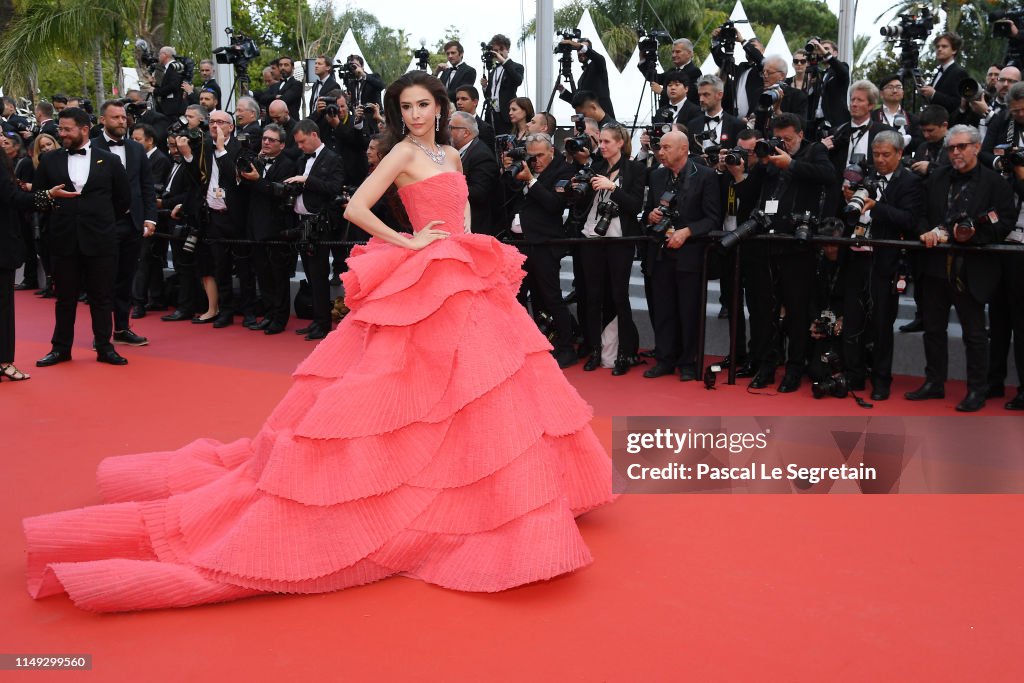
<point>947,89</point>
<point>367,90</point>
<point>481,171</point>
<point>453,78</point>
<point>268,218</point>
<point>595,79</point>
<point>1001,130</point>
<point>84,241</point>
<point>675,273</point>
<point>832,94</point>
<point>177,189</point>
<point>290,90</point>
<point>685,112</point>
<point>12,200</point>
<point>511,79</point>
<point>693,74</point>
<point>911,128</point>
<point>730,130</point>
<point>838,154</point>
<point>48,127</point>
<point>160,166</point>
<point>170,98</point>
<point>966,281</point>
<point>755,81</point>
<point>323,182</point>
<point>321,90</point>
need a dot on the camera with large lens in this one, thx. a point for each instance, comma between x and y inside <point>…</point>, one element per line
<point>579,185</point>
<point>669,212</point>
<point>765,148</point>
<point>916,26</point>
<point>810,47</point>
<point>574,35</point>
<point>146,56</point>
<point>825,325</point>
<point>189,234</point>
<point>520,158</point>
<point>737,156</point>
<point>135,109</point>
<point>580,141</point>
<point>705,136</point>
<point>487,56</point>
<point>836,385</point>
<point>726,37</point>
<point>240,50</point>
<point>804,224</point>
<point>1003,20</point>
<point>332,108</point>
<point>180,129</point>
<point>1007,156</point>
<point>656,133</point>
<point>770,96</point>
<point>606,211</point>
<point>340,201</point>
<point>287,191</point>
<point>758,222</point>
<point>864,187</point>
<point>249,153</point>
<point>647,44</point>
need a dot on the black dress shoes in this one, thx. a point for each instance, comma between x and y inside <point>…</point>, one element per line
<point>249,320</point>
<point>261,325</point>
<point>200,320</point>
<point>306,330</point>
<point>138,312</point>
<point>593,363</point>
<point>880,394</point>
<point>176,316</point>
<point>1017,402</point>
<point>762,380</point>
<point>687,374</point>
<point>926,391</point>
<point>659,370</point>
<point>972,403</point>
<point>622,366</point>
<point>274,329</point>
<point>52,358</point>
<point>748,369</point>
<point>315,334</point>
<point>112,357</point>
<point>130,338</point>
<point>223,320</point>
<point>790,383</point>
<point>915,325</point>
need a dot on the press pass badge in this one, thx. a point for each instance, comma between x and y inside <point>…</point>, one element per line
<point>771,207</point>
<point>218,193</point>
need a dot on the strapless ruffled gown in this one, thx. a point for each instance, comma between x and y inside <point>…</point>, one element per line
<point>431,435</point>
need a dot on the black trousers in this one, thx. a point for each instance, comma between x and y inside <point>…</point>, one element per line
<point>73,273</point>
<point>676,311</point>
<point>229,258</point>
<point>273,271</point>
<point>938,296</point>
<point>31,272</point>
<point>1006,321</point>
<point>606,270</point>
<point>794,274</point>
<point>129,242</point>
<point>317,267</point>
<point>148,286</point>
<point>6,315</point>
<point>188,278</point>
<point>856,313</point>
<point>759,291</point>
<point>542,267</point>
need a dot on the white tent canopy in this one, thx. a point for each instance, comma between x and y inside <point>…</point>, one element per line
<point>349,46</point>
<point>777,46</point>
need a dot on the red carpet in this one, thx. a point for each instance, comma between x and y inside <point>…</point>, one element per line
<point>788,588</point>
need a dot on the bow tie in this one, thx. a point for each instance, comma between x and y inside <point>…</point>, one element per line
<point>115,143</point>
<point>77,151</point>
<point>307,157</point>
<point>858,129</point>
<point>712,119</point>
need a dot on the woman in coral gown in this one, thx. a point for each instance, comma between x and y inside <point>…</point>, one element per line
<point>431,435</point>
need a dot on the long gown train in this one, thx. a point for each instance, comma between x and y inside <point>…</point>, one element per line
<point>431,435</point>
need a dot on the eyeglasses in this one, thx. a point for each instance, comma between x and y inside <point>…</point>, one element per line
<point>960,146</point>
<point>1011,81</point>
<point>269,139</point>
<point>799,61</point>
<point>894,86</point>
<point>457,128</point>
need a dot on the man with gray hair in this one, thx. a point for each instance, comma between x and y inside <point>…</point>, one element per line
<point>792,101</point>
<point>247,118</point>
<point>206,70</point>
<point>970,205</point>
<point>851,142</point>
<point>480,168</point>
<point>170,98</point>
<point>682,60</point>
<point>870,299</point>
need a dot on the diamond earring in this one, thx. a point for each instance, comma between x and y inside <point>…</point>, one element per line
<point>437,122</point>
<point>403,127</point>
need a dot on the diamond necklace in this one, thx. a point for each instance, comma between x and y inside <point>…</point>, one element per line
<point>437,157</point>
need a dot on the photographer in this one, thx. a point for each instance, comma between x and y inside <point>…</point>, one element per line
<point>140,111</point>
<point>944,88</point>
<point>1005,136</point>
<point>466,100</point>
<point>825,367</point>
<point>324,83</point>
<point>456,72</point>
<point>783,98</point>
<point>289,89</point>
<point>682,202</point>
<point>889,211</point>
<point>963,198</point>
<point>322,177</point>
<point>480,168</point>
<point>827,105</point>
<point>594,78</point>
<point>1004,24</point>
<point>170,100</point>
<point>247,116</point>
<point>682,60</point>
<point>206,72</point>
<point>615,198</point>
<point>851,142</point>
<point>679,108</point>
<point>338,132</point>
<point>500,86</point>
<point>269,217</point>
<point>892,113</point>
<point>792,179</point>
<point>746,80</point>
<point>587,103</point>
<point>538,219</point>
<point>719,126</point>
<point>363,88</point>
<point>148,287</point>
<point>170,202</point>
<point>44,120</point>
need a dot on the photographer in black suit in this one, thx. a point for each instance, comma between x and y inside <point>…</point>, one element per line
<point>539,218</point>
<point>480,168</point>
<point>680,109</point>
<point>682,60</point>
<point>964,190</point>
<point>133,227</point>
<point>724,128</point>
<point>501,89</point>
<point>746,75</point>
<point>170,98</point>
<point>456,72</point>
<point>682,203</point>
<point>83,232</point>
<point>362,88</point>
<point>324,82</point>
<point>792,100</point>
<point>852,142</point>
<point>268,218</point>
<point>170,203</point>
<point>289,89</point>
<point>148,287</point>
<point>322,175</point>
<point>870,297</point>
<point>793,179</point>
<point>594,77</point>
<point>944,88</point>
<point>827,102</point>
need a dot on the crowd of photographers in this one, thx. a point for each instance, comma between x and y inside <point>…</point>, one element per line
<point>745,150</point>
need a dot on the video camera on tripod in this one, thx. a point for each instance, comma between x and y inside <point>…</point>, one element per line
<point>422,55</point>
<point>648,43</point>
<point>907,36</point>
<point>240,50</point>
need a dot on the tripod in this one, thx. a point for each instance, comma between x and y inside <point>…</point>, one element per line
<point>649,76</point>
<point>565,72</point>
<point>240,88</point>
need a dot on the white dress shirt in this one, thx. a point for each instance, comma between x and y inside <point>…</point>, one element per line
<point>78,167</point>
<point>300,204</point>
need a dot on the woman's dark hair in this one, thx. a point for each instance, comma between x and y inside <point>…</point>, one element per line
<point>393,111</point>
<point>526,104</point>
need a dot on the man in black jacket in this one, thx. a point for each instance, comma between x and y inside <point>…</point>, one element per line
<point>792,100</point>
<point>148,287</point>
<point>500,87</point>
<point>682,60</point>
<point>131,227</point>
<point>170,99</point>
<point>466,99</point>
<point>362,88</point>
<point>870,297</point>
<point>746,80</point>
<point>480,168</point>
<point>170,205</point>
<point>455,72</point>
<point>944,87</point>
<point>793,180</point>
<point>851,142</point>
<point>324,82</point>
<point>268,218</point>
<point>966,281</point>
<point>828,102</point>
<point>691,190</point>
<point>206,72</point>
<point>680,109</point>
<point>594,77</point>
<point>84,234</point>
<point>289,89</point>
<point>321,174</point>
<point>724,127</point>
<point>539,218</point>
